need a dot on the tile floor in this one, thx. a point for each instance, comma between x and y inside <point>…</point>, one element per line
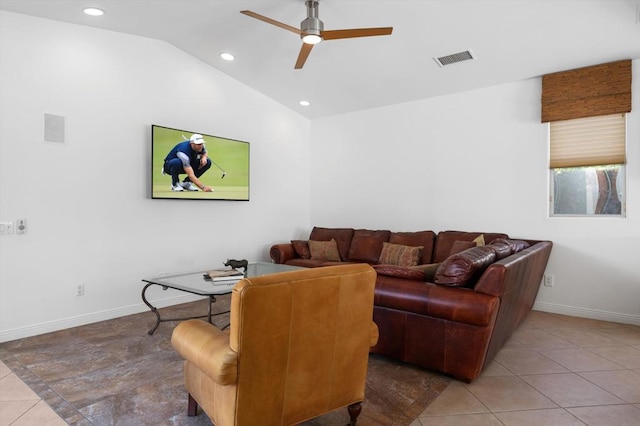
<point>555,370</point>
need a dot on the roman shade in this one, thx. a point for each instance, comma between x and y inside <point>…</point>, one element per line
<point>587,92</point>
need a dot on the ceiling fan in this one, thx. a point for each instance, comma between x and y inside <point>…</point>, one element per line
<point>312,30</point>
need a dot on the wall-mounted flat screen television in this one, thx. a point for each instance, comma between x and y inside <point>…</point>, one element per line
<point>196,166</point>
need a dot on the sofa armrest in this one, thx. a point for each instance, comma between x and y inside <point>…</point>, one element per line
<point>207,347</point>
<point>281,253</point>
<point>446,303</point>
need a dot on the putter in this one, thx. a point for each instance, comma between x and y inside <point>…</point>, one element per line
<point>212,162</point>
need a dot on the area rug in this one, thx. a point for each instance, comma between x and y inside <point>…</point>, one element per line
<point>114,373</point>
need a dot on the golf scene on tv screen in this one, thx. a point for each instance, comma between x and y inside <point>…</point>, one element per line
<point>196,166</point>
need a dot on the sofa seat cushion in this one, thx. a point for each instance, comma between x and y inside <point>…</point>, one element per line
<point>305,263</point>
<point>341,235</point>
<point>405,272</point>
<point>426,239</point>
<point>366,245</point>
<point>446,303</point>
<point>464,268</point>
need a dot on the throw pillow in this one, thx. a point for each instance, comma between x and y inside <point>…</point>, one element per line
<point>324,250</point>
<point>501,248</point>
<point>516,245</point>
<point>302,248</point>
<point>429,270</point>
<point>400,272</point>
<point>479,240</point>
<point>397,254</point>
<point>459,246</point>
<point>464,268</point>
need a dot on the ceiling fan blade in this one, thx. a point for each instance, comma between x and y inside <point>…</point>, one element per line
<point>303,55</point>
<point>271,21</point>
<point>356,32</point>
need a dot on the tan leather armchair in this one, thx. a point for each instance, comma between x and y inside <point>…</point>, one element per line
<point>297,347</point>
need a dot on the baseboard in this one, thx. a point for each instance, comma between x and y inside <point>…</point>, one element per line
<point>587,313</point>
<point>48,327</point>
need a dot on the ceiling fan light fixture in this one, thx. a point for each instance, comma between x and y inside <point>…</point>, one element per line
<point>311,39</point>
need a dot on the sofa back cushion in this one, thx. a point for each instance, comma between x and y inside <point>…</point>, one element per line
<point>464,268</point>
<point>366,245</point>
<point>426,239</point>
<point>342,236</point>
<point>446,239</point>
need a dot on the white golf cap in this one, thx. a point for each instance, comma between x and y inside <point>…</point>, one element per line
<point>197,139</point>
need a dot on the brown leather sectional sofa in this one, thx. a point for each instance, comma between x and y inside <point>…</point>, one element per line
<point>451,311</point>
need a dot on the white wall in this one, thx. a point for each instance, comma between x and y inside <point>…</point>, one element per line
<point>477,161</point>
<point>89,214</point>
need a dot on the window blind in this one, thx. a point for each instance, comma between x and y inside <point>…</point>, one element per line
<point>590,141</point>
<point>586,92</point>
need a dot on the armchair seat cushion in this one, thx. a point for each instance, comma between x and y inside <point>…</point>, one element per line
<point>208,349</point>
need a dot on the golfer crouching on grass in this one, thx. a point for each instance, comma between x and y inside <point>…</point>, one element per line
<point>190,158</point>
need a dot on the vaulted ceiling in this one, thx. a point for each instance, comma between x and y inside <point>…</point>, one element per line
<point>511,40</point>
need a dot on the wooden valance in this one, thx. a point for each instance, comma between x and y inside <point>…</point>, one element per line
<point>587,92</point>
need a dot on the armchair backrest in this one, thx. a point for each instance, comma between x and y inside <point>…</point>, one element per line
<point>302,340</point>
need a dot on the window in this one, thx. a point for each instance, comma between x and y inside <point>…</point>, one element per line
<point>587,173</point>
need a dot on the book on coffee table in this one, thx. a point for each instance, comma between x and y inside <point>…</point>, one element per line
<point>216,275</point>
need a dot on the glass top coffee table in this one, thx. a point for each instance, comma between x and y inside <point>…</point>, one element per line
<point>194,282</point>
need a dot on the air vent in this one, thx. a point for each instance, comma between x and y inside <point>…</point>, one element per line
<point>456,57</point>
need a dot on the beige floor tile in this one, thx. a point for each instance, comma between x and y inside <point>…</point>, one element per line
<point>580,359</point>
<point>536,338</point>
<point>508,393</point>
<point>455,399</point>
<point>11,410</point>
<point>40,415</point>
<point>4,370</point>
<point>528,362</point>
<point>462,420</point>
<point>626,356</point>
<point>552,416</point>
<point>495,369</point>
<point>623,384</point>
<point>608,415</point>
<point>514,344</point>
<point>571,390</point>
<point>627,335</point>
<point>13,389</point>
<point>583,338</point>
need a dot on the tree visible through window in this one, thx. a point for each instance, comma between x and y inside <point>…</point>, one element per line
<point>594,190</point>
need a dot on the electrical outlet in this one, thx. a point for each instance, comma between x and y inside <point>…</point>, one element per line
<point>21,226</point>
<point>80,290</point>
<point>6,227</point>
<point>548,280</point>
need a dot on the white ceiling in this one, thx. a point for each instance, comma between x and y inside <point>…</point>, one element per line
<point>512,39</point>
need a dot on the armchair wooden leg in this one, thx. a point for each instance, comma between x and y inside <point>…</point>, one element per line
<point>192,408</point>
<point>354,412</point>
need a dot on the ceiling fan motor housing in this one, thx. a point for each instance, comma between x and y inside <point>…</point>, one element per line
<point>312,25</point>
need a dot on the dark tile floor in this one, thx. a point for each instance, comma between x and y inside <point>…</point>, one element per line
<point>114,373</point>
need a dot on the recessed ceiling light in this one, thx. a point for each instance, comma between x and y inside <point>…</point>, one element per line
<point>227,56</point>
<point>93,11</point>
<point>305,103</point>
